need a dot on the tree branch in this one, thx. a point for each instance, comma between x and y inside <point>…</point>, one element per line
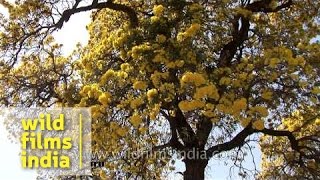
<point>264,6</point>
<point>293,141</point>
<point>239,36</point>
<point>237,141</point>
<point>109,4</point>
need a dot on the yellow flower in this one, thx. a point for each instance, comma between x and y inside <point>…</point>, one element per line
<point>273,4</point>
<point>95,111</point>
<point>102,174</point>
<point>225,81</point>
<point>274,62</point>
<point>154,19</point>
<point>125,67</point>
<point>139,85</point>
<point>193,29</point>
<point>263,111</point>
<point>154,112</point>
<point>179,63</point>
<point>152,93</point>
<point>143,129</point>
<point>292,61</point>
<point>121,131</point>
<point>171,65</point>
<point>83,102</point>
<point>240,104</point>
<point>207,91</point>
<point>135,120</point>
<point>106,76</point>
<point>158,10</point>
<point>315,90</point>
<point>180,36</point>
<point>161,38</point>
<point>94,91</point>
<point>104,98</point>
<point>245,122</point>
<point>191,105</point>
<point>85,90</point>
<point>267,95</point>
<point>258,124</point>
<point>243,76</point>
<point>195,7</point>
<point>159,58</point>
<point>195,78</point>
<point>210,106</point>
<point>157,76</point>
<point>114,125</point>
<point>189,33</point>
<point>136,103</point>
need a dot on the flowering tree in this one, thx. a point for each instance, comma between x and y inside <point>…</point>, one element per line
<point>177,76</point>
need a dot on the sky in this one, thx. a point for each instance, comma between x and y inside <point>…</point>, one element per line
<point>74,31</point>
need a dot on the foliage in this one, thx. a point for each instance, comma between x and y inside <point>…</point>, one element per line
<point>172,76</point>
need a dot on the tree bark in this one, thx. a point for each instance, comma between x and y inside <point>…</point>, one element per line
<point>195,169</point>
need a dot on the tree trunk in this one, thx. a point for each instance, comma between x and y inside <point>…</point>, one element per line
<point>195,169</point>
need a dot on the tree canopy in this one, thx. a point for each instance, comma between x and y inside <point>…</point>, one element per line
<point>175,76</point>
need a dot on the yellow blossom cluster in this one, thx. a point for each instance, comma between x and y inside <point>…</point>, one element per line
<point>209,110</point>
<point>105,98</point>
<point>135,120</point>
<point>261,110</point>
<point>191,57</point>
<point>209,91</point>
<point>239,104</point>
<point>191,105</point>
<point>160,57</point>
<point>302,123</point>
<point>138,50</point>
<point>140,85</point>
<point>167,91</point>
<point>158,10</point>
<point>135,103</point>
<point>258,124</point>
<point>276,55</point>
<point>161,38</point>
<point>106,76</point>
<point>125,67</point>
<point>294,122</point>
<point>157,76</point>
<point>267,95</point>
<point>175,64</point>
<point>91,91</point>
<point>192,78</point>
<point>195,7</point>
<point>272,62</point>
<point>151,94</point>
<point>120,131</point>
<point>109,74</point>
<point>316,90</point>
<point>244,122</point>
<point>154,111</point>
<point>189,33</point>
<point>225,81</point>
<point>97,111</point>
